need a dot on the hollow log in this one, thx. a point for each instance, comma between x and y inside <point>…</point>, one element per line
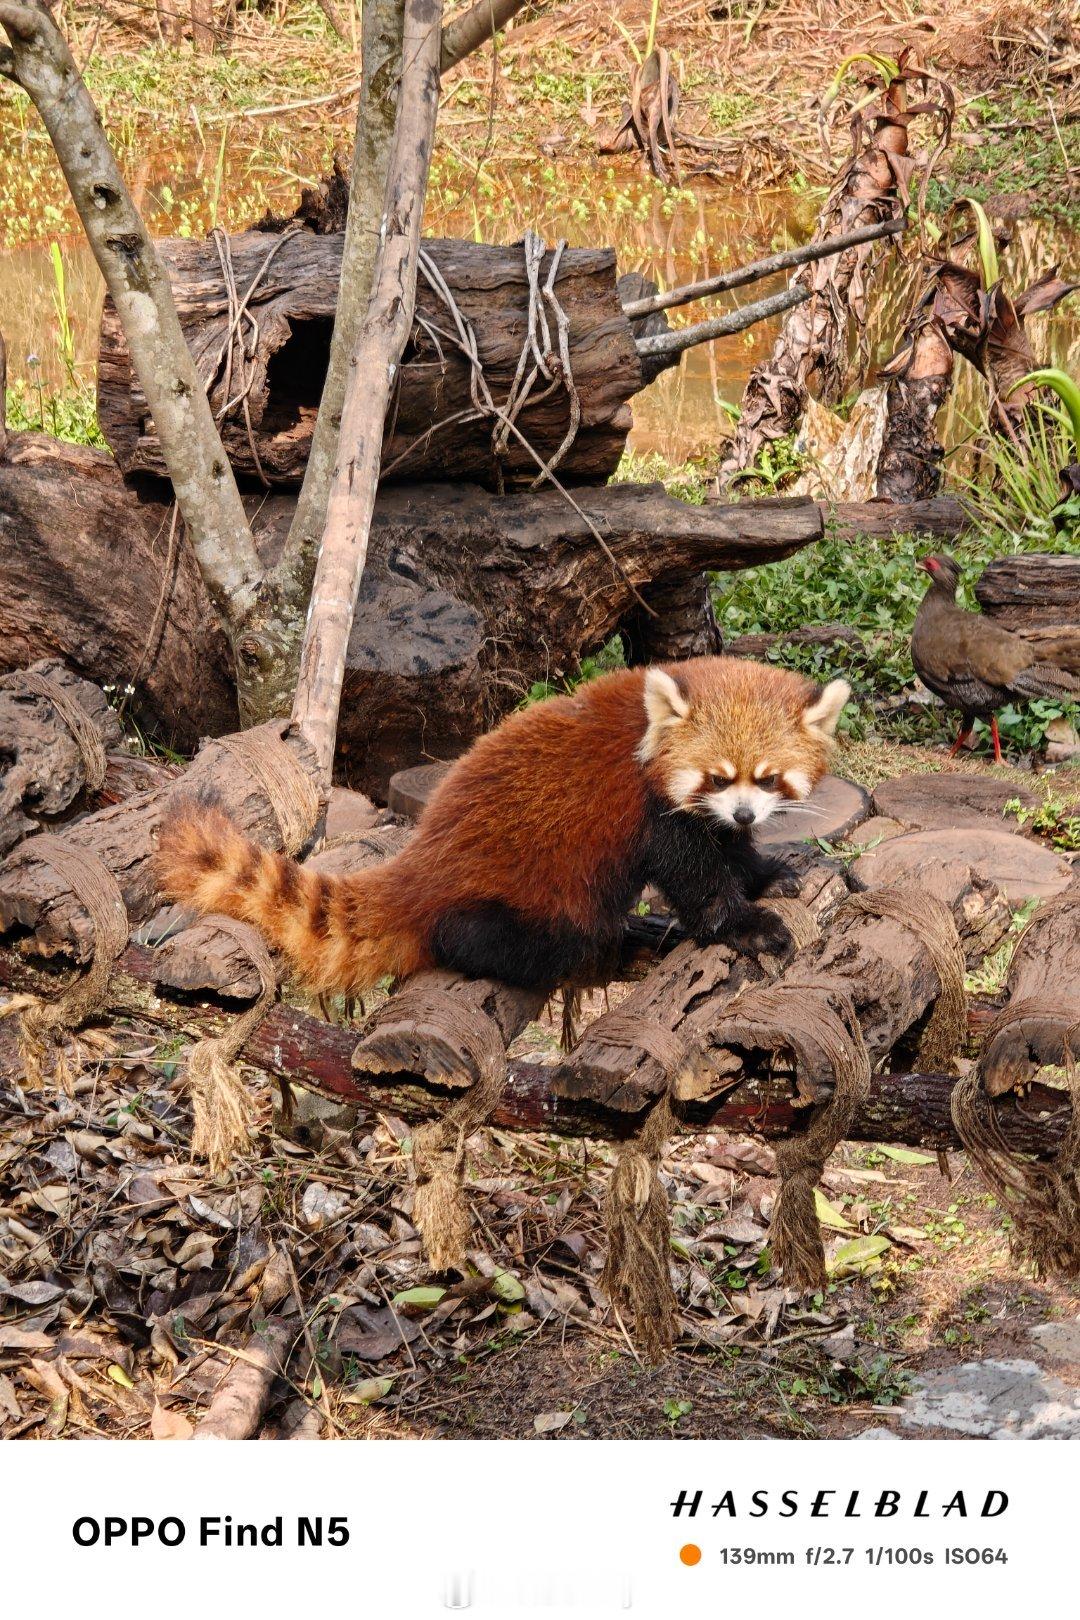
<point>1031,591</point>
<point>293,1046</point>
<point>467,599</point>
<point>881,970</point>
<point>1039,1026</point>
<point>626,1057</point>
<point>433,430</point>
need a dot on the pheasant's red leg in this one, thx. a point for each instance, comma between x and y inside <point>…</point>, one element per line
<point>996,739</point>
<point>961,738</point>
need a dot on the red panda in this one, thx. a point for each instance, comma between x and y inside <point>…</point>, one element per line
<point>539,838</point>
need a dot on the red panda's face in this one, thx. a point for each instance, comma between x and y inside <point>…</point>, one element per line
<point>735,740</point>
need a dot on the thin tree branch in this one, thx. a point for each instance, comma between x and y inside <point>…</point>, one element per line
<point>372,374</point>
<point>205,489</point>
<point>670,345</point>
<point>637,308</point>
<point>471,29</point>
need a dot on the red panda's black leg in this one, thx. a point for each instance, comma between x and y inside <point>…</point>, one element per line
<point>490,940</point>
<point>710,876</point>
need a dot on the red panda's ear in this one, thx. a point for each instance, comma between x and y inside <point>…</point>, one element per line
<point>666,705</point>
<point>823,713</point>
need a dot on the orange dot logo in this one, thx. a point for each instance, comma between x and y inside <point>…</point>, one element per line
<point>690,1554</point>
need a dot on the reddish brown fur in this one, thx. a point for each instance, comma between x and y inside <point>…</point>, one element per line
<point>530,816</point>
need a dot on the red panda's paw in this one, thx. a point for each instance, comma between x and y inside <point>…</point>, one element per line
<point>759,932</point>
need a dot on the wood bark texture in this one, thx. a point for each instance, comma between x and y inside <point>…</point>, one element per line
<point>290,1045</point>
<point>434,429</point>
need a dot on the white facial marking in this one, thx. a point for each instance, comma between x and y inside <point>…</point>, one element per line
<point>798,782</point>
<point>764,769</point>
<point>724,767</point>
<point>741,805</point>
<point>684,785</point>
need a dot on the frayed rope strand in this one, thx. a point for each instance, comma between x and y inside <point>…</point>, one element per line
<point>440,1208</point>
<point>222,1107</point>
<point>637,1272</point>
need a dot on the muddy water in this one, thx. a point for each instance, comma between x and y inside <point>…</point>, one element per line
<point>670,236</point>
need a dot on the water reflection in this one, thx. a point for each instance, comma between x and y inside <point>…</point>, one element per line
<point>672,237</point>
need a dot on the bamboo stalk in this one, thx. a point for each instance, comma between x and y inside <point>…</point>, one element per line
<point>758,269</point>
<point>669,345</point>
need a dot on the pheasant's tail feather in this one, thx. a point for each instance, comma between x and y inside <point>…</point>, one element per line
<point>1058,645</point>
<point>336,932</point>
<point>1047,681</point>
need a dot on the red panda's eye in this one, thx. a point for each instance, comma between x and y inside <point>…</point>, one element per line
<point>766,782</point>
<point>720,782</point>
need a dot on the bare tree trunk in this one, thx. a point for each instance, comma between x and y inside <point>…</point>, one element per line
<point>285,595</point>
<point>284,598</point>
<point>206,492</point>
<point>374,364</point>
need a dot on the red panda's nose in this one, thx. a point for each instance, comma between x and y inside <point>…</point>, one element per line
<point>743,815</point>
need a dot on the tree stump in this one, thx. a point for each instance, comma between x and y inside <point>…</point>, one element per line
<point>1023,869</point>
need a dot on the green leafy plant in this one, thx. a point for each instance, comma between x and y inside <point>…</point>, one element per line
<point>1052,819</point>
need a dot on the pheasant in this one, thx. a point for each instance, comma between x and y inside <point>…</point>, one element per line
<point>976,666</point>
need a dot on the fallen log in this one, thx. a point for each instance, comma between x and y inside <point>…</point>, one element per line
<point>295,1047</point>
<point>456,579</point>
<point>1031,591</point>
<point>1039,1027</point>
<point>85,566</point>
<point>890,959</point>
<point>37,900</point>
<point>289,282</point>
<point>54,730</point>
<point>626,1058</point>
<point>942,515</point>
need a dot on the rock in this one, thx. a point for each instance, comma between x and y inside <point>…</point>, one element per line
<point>941,799</point>
<point>321,1206</point>
<point>833,809</point>
<point>995,1400</point>
<point>1023,869</point>
<point>348,814</point>
<point>1059,1340</point>
<point>1062,741</point>
<point>410,790</point>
